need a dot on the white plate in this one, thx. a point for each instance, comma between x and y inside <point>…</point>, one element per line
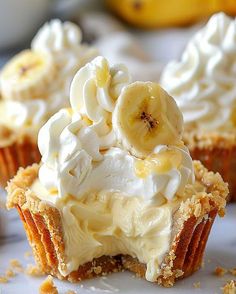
<point>221,251</point>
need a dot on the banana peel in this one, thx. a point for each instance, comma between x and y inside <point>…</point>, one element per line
<point>163,13</point>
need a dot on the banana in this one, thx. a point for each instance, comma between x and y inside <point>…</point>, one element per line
<point>146,116</point>
<point>27,75</point>
<point>162,13</point>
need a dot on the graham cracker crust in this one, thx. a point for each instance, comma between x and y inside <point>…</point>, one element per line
<point>217,151</point>
<point>191,226</point>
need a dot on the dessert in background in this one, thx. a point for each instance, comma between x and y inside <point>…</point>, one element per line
<point>35,84</point>
<point>114,40</point>
<point>117,189</point>
<point>203,83</point>
<point>162,13</point>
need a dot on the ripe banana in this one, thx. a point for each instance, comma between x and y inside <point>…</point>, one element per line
<point>160,13</point>
<point>27,75</point>
<point>146,116</point>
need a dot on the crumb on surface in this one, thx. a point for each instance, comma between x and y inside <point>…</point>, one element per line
<point>220,271</point>
<point>33,270</point>
<point>2,204</point>
<point>10,273</point>
<point>229,287</point>
<point>14,263</point>
<point>48,287</point>
<point>197,285</point>
<point>27,254</point>
<point>233,271</point>
<point>3,280</point>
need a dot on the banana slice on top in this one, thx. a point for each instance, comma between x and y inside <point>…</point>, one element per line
<point>27,75</point>
<point>146,116</point>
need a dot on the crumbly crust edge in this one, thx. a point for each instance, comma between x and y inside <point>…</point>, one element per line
<point>193,214</point>
<point>196,139</point>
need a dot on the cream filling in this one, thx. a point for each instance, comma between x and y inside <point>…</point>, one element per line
<point>110,224</point>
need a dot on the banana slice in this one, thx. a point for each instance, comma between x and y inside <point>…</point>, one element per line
<point>27,75</point>
<point>146,116</point>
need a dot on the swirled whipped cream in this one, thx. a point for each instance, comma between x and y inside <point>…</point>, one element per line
<point>203,82</point>
<point>63,41</point>
<point>61,44</point>
<point>73,164</point>
<point>127,201</point>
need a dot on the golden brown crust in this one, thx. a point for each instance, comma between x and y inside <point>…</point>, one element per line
<point>208,140</point>
<point>217,151</point>
<point>21,153</point>
<point>192,224</point>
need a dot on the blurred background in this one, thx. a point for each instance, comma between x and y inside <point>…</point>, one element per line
<point>144,34</point>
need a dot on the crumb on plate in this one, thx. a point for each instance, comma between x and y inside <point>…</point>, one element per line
<point>48,287</point>
<point>10,273</point>
<point>3,279</point>
<point>197,285</point>
<point>14,263</point>
<point>220,271</point>
<point>33,270</point>
<point>229,287</point>
<point>27,254</point>
<point>233,271</point>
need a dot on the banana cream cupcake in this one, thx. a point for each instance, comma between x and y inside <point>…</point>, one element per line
<point>34,85</point>
<point>203,84</point>
<point>117,188</point>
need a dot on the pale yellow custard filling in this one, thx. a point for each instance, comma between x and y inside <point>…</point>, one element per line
<point>111,224</point>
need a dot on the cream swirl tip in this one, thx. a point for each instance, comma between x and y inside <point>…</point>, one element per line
<point>203,82</point>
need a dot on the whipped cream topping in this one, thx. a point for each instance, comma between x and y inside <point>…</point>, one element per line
<point>74,165</point>
<point>29,113</point>
<point>203,82</point>
<point>75,159</point>
<point>125,212</point>
<point>56,36</point>
<point>63,42</point>
<point>94,91</point>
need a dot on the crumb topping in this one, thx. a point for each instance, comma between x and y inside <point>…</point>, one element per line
<point>203,140</point>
